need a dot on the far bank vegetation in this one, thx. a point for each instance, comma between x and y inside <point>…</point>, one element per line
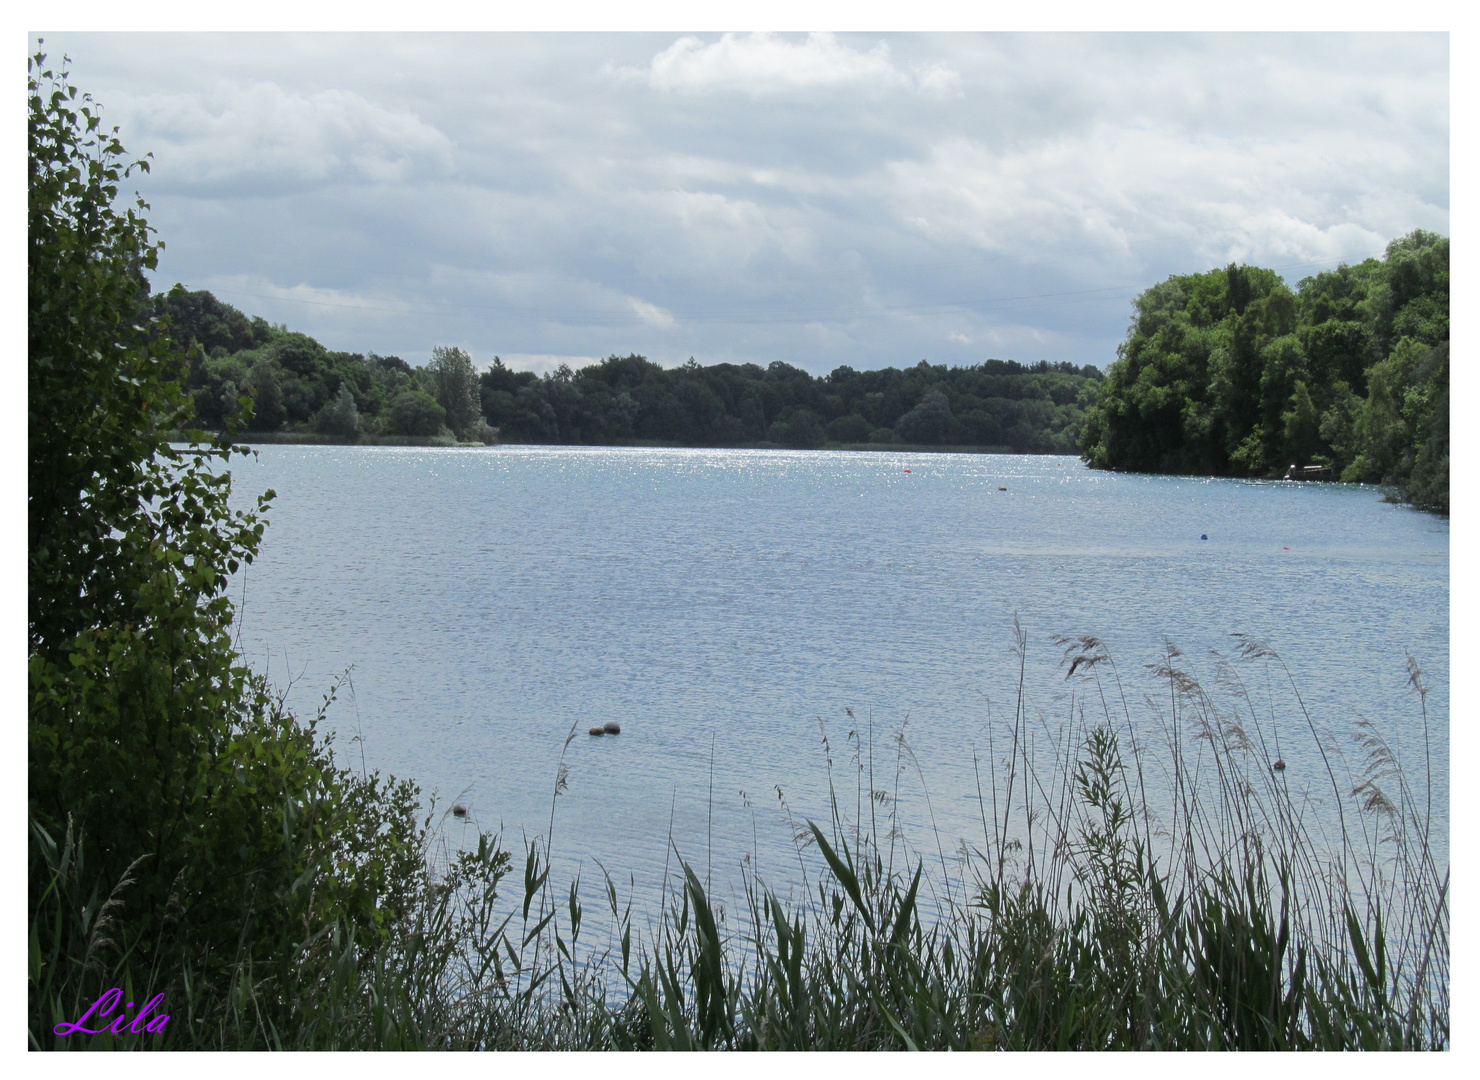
<point>299,390</point>
<point>1224,373</point>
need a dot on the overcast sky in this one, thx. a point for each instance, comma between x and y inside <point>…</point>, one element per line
<point>869,200</point>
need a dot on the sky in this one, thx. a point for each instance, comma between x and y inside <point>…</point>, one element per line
<point>861,199</point>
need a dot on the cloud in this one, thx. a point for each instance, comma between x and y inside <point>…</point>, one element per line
<point>859,199</point>
<point>764,65</point>
<point>541,363</point>
<point>262,136</point>
<point>1120,188</point>
<point>651,314</point>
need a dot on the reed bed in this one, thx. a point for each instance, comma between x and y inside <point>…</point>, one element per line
<point>1147,876</point>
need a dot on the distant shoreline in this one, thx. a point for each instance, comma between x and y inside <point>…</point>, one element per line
<point>310,438</point>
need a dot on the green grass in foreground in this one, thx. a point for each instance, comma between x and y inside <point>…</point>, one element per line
<point>1094,916</point>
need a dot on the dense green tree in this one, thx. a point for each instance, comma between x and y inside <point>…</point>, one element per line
<point>798,429</point>
<point>1302,427</point>
<point>339,417</point>
<point>415,412</point>
<point>1427,483</point>
<point>222,845</point>
<point>457,389</point>
<point>95,370</point>
<point>930,421</point>
<point>1231,373</point>
<point>268,410</point>
<point>851,428</point>
<point>198,318</point>
<point>1187,394</point>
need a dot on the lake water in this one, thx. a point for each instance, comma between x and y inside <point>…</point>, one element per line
<point>723,605</point>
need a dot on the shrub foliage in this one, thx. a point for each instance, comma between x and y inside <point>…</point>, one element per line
<point>1234,374</point>
<point>187,835</point>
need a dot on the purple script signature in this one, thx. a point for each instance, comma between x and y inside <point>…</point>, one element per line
<point>104,1005</point>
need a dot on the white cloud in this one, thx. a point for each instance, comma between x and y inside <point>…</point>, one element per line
<point>1119,188</point>
<point>764,64</point>
<point>861,199</point>
<point>717,231</point>
<point>260,133</point>
<point>650,313</point>
<point>358,304</point>
<point>541,363</point>
<point>938,79</point>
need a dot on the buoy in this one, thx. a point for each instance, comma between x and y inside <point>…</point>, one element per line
<point>597,730</point>
<point>611,727</point>
<point>459,810</point>
<point>1287,549</point>
<point>906,470</point>
<point>1204,536</point>
<point>1001,489</point>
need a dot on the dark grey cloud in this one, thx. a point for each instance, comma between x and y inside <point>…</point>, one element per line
<point>859,199</point>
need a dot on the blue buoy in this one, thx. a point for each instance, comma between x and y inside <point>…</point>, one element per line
<point>1204,536</point>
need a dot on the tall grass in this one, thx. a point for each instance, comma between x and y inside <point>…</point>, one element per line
<point>1146,877</point>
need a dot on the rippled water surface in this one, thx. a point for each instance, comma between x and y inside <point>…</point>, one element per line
<point>720,603</point>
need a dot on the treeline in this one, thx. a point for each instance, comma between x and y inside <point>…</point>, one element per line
<point>999,404</point>
<point>275,379</point>
<point>1232,373</point>
<point>294,384</point>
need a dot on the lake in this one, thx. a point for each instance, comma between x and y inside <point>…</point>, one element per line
<point>727,607</point>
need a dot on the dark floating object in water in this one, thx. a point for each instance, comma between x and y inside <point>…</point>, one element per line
<point>597,730</point>
<point>611,727</point>
<point>1279,764</point>
<point>459,810</point>
<point>1204,536</point>
<point>1001,489</point>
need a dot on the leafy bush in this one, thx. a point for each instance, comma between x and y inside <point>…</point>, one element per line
<point>237,860</point>
<point>415,412</point>
<point>849,429</point>
<point>928,422</point>
<point>801,429</point>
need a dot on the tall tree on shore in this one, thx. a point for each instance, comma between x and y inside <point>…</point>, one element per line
<point>457,388</point>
